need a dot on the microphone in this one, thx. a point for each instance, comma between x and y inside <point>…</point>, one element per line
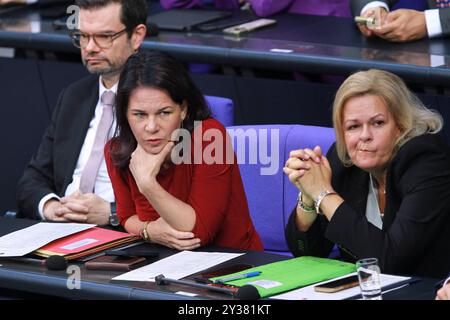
<point>246,292</point>
<point>54,262</point>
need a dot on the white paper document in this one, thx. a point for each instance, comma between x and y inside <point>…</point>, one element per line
<point>178,266</point>
<point>22,242</point>
<point>308,293</point>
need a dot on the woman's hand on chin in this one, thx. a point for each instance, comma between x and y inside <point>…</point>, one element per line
<point>145,167</point>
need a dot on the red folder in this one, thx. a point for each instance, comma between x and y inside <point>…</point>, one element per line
<point>85,243</point>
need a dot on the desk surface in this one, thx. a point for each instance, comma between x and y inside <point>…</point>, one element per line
<point>315,44</point>
<point>98,284</point>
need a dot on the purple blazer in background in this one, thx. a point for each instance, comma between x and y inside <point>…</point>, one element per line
<point>338,8</point>
<point>264,8</point>
<point>221,4</point>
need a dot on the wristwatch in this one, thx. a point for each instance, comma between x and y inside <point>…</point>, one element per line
<point>113,219</point>
<point>320,197</point>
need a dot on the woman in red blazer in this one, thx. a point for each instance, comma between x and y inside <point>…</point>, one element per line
<point>169,162</point>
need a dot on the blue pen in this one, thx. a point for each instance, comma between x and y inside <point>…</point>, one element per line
<point>238,276</point>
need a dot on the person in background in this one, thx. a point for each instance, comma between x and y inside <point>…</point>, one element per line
<point>182,199</point>
<point>265,8</point>
<point>67,180</point>
<point>422,19</point>
<point>220,4</point>
<point>383,190</point>
<point>338,8</point>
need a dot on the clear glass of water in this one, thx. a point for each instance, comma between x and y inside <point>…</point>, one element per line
<point>369,278</point>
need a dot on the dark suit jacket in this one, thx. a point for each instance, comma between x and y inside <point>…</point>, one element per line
<point>51,168</point>
<point>415,239</point>
<point>444,14</point>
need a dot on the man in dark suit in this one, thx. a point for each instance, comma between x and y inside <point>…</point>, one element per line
<point>404,24</point>
<point>51,187</point>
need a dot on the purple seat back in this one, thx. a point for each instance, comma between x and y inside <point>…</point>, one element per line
<point>271,197</point>
<point>222,109</point>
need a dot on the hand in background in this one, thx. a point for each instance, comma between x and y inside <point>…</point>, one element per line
<point>380,15</point>
<point>403,25</point>
<point>162,233</point>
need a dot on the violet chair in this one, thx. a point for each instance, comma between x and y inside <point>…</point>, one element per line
<point>270,195</point>
<point>222,109</point>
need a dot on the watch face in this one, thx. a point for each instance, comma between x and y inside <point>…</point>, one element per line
<point>113,220</point>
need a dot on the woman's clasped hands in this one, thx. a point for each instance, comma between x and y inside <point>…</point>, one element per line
<point>310,171</point>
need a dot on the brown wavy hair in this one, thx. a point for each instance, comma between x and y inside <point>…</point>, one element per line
<point>159,70</point>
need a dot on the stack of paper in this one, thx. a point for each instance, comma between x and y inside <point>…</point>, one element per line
<point>85,243</point>
<point>24,241</point>
<point>178,266</point>
<point>71,240</point>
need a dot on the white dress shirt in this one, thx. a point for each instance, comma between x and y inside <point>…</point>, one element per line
<point>373,213</point>
<point>103,187</point>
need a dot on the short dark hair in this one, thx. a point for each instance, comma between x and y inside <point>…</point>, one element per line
<point>159,70</point>
<point>134,12</point>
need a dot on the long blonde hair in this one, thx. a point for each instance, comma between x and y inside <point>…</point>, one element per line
<point>410,115</point>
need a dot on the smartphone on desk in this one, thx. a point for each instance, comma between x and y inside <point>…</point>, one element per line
<point>249,26</point>
<point>115,263</point>
<point>204,277</point>
<point>338,285</point>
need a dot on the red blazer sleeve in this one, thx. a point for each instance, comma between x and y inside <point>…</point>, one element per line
<point>211,185</point>
<point>119,180</point>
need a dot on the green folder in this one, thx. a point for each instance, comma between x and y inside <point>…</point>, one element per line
<point>291,274</point>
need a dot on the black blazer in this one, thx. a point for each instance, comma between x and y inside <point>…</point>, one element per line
<point>415,239</point>
<point>444,14</point>
<point>51,168</point>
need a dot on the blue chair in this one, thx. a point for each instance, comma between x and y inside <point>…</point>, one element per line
<point>270,195</point>
<point>222,109</point>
